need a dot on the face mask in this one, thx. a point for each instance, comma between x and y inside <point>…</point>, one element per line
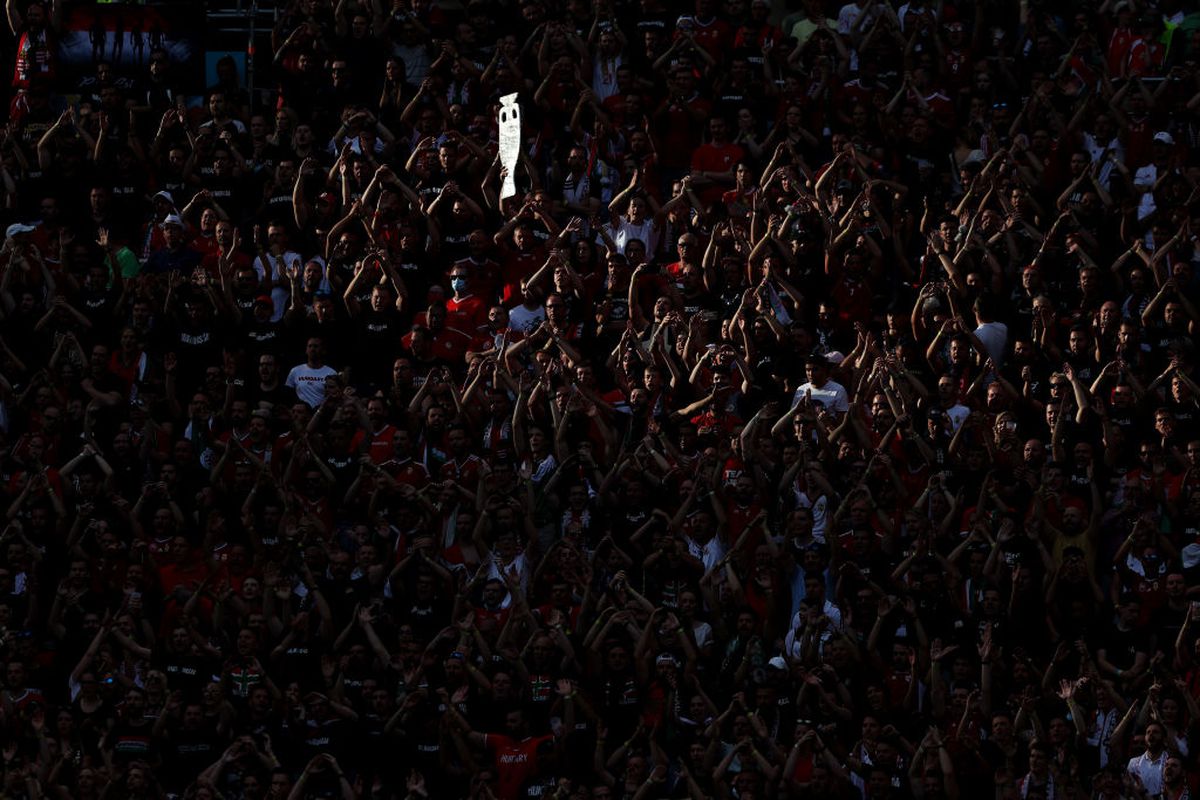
<point>458,284</point>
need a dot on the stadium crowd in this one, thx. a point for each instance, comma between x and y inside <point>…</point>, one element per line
<point>819,419</point>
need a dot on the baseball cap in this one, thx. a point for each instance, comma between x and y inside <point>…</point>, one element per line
<point>1162,137</point>
<point>165,195</point>
<point>778,663</point>
<point>172,219</point>
<point>265,299</point>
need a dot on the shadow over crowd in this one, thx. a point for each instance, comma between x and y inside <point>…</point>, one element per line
<point>819,419</point>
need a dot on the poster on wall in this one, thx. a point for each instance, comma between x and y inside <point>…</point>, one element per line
<point>124,36</point>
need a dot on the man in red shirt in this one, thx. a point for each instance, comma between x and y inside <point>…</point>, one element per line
<point>677,120</point>
<point>403,468</point>
<point>707,30</point>
<point>522,255</point>
<point>376,440</point>
<point>713,163</point>
<point>463,467</point>
<point>465,310</point>
<point>1121,40</point>
<point>443,341</point>
<point>518,755</point>
<point>226,250</point>
<point>483,273</point>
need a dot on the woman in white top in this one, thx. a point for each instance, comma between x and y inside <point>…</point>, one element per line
<point>642,218</point>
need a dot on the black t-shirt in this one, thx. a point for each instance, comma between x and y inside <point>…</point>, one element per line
<point>280,395</point>
<point>1121,647</point>
<point>196,346</point>
<point>300,662</point>
<point>262,337</point>
<point>229,192</point>
<point>426,617</point>
<point>186,672</point>
<point>377,343</point>
<point>186,754</point>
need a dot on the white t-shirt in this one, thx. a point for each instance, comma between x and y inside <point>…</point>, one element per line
<point>1150,771</point>
<point>708,553</point>
<point>525,320</point>
<point>848,15</point>
<point>1096,149</point>
<point>994,336</point>
<point>309,383</point>
<point>625,230</point>
<point>819,509</point>
<point>958,414</point>
<point>1144,180</point>
<point>280,295</point>
<point>832,396</point>
<point>604,77</point>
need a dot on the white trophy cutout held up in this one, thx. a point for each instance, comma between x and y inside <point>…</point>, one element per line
<point>510,143</point>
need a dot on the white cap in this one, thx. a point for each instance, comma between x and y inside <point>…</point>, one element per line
<point>171,219</point>
<point>165,195</point>
<point>18,227</point>
<point>835,357</point>
<point>1164,138</point>
<point>778,663</point>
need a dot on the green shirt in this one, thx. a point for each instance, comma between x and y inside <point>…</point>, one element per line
<point>130,266</point>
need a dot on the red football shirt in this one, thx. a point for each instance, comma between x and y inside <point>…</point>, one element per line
<point>516,762</point>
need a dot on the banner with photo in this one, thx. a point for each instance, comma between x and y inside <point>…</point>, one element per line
<point>124,35</point>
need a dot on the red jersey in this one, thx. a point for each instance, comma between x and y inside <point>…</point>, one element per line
<point>715,36</point>
<point>678,133</point>
<point>715,158</point>
<point>517,266</point>
<point>464,473</point>
<point>467,313</point>
<point>1145,57</point>
<point>381,448</point>
<point>408,471</point>
<point>1118,49</point>
<point>516,762</point>
<point>484,276</point>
